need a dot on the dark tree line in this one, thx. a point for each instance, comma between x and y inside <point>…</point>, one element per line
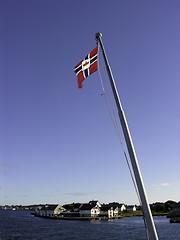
<point>162,207</point>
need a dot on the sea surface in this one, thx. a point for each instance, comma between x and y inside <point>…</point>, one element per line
<point>21,225</point>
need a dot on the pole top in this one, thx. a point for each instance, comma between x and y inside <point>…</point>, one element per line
<point>98,35</point>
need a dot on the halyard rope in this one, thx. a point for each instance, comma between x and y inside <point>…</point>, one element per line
<point>112,114</point>
<point>114,121</point>
<point>115,124</point>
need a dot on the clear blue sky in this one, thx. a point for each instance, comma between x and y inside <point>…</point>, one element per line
<point>57,142</point>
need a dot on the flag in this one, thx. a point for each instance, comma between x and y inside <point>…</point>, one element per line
<point>87,66</point>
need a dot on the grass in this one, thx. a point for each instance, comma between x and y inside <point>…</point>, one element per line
<point>139,213</point>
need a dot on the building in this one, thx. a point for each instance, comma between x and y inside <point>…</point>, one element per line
<point>121,207</point>
<point>106,211</point>
<point>49,210</point>
<point>131,208</point>
<point>91,209</point>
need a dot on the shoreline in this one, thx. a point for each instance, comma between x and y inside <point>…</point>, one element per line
<point>77,218</point>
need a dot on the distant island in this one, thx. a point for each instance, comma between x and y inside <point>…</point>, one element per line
<point>95,210</point>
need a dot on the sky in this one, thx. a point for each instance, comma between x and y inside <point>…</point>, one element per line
<point>57,142</point>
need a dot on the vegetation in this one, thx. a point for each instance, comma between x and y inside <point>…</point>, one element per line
<point>162,207</point>
<point>158,209</point>
<point>71,206</point>
<point>128,213</point>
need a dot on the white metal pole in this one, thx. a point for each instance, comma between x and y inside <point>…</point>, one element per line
<point>132,154</point>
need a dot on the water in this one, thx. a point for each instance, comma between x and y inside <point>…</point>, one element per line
<point>21,225</point>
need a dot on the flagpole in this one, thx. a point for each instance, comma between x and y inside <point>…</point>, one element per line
<point>132,154</point>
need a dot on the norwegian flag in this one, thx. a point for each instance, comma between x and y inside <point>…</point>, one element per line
<point>87,66</point>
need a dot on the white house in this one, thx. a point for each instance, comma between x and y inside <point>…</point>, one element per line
<point>115,211</point>
<point>131,208</point>
<point>121,207</point>
<point>50,210</point>
<point>91,209</point>
<point>106,211</point>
